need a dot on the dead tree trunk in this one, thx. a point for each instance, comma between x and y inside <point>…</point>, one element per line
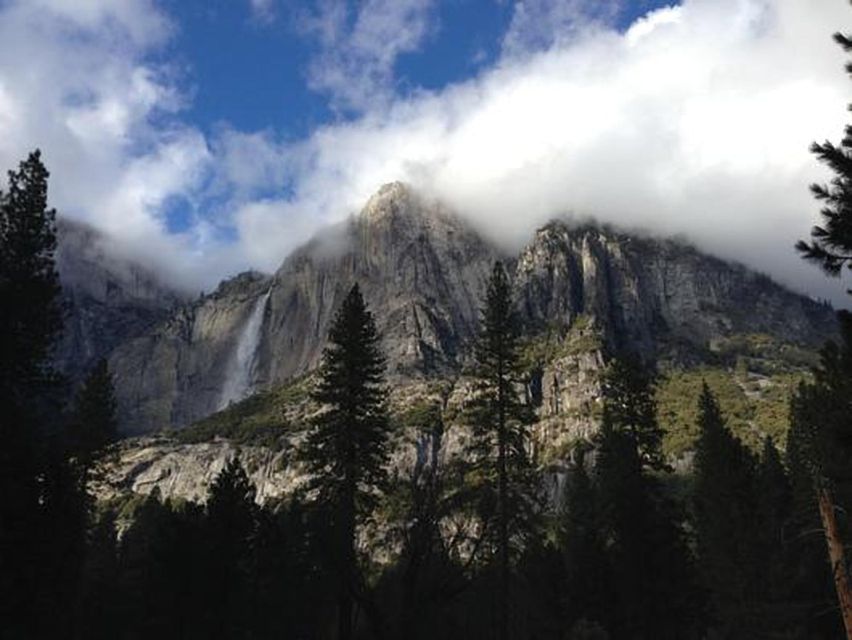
<point>836,556</point>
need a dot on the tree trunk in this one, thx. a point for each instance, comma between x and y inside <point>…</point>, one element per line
<point>345,599</point>
<point>836,557</point>
<point>502,512</point>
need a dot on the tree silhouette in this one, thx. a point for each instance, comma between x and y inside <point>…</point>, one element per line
<point>94,423</point>
<point>820,441</point>
<point>231,525</point>
<point>726,511</point>
<point>498,449</point>
<point>346,445</point>
<point>655,593</point>
<point>29,325</point>
<point>831,244</point>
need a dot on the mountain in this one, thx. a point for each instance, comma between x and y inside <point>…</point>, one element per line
<point>106,300</point>
<point>583,291</point>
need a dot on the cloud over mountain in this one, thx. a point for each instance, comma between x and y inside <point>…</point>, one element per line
<point>695,120</point>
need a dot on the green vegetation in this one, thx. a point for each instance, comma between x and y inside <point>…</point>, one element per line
<point>556,342</point>
<point>260,419</point>
<point>764,354</point>
<point>753,408</point>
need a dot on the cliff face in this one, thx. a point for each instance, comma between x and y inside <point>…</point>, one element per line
<point>421,270</point>
<point>179,372</point>
<point>658,298</point>
<point>106,300</point>
<point>583,293</point>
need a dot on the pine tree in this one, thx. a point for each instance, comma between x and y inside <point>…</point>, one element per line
<point>631,403</point>
<point>820,440</point>
<point>587,589</point>
<point>231,524</point>
<point>29,325</point>
<point>655,594</point>
<point>30,319</point>
<point>726,511</point>
<point>831,245</point>
<point>500,434</point>
<point>94,424</point>
<point>346,446</point>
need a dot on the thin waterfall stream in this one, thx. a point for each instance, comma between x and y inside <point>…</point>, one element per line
<point>240,378</point>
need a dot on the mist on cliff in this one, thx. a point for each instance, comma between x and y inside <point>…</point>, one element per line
<point>695,120</point>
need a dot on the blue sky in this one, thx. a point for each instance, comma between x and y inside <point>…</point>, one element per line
<point>209,136</point>
<point>248,67</point>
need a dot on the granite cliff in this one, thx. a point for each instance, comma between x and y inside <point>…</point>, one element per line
<point>584,293</point>
<point>422,270</point>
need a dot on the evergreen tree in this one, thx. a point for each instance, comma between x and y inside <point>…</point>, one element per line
<point>588,590</point>
<point>94,424</point>
<point>831,245</point>
<point>97,602</point>
<point>655,594</point>
<point>29,325</point>
<point>500,434</point>
<point>231,525</point>
<point>346,446</point>
<point>30,319</point>
<point>726,511</point>
<point>631,403</point>
<point>820,441</point>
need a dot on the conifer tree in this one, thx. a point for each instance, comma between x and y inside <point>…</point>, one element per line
<point>29,325</point>
<point>499,446</point>
<point>631,403</point>
<point>588,590</point>
<point>726,509</point>
<point>820,440</point>
<point>655,593</point>
<point>831,244</point>
<point>231,524</point>
<point>94,424</point>
<point>346,446</point>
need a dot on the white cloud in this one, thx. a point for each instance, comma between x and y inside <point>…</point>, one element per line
<point>538,25</point>
<point>75,80</point>
<point>263,10</point>
<point>358,47</point>
<point>696,121</point>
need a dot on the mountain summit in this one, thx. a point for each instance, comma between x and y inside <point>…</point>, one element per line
<point>422,270</point>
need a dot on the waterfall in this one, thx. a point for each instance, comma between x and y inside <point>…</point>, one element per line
<point>239,382</point>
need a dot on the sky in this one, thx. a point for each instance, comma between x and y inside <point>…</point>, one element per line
<point>206,137</point>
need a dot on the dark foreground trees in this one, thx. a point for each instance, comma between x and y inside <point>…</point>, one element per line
<point>29,326</point>
<point>346,446</point>
<point>818,410</point>
<point>499,450</point>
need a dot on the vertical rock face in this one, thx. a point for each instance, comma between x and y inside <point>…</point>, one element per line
<point>657,298</point>
<point>423,272</point>
<point>176,373</point>
<point>106,300</point>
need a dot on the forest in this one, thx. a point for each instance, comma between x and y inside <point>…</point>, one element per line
<point>742,545</point>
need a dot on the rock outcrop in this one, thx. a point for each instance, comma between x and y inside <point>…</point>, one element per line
<point>423,272</point>
<point>106,300</point>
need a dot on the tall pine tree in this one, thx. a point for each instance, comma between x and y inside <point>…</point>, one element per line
<point>821,441</point>
<point>499,446</point>
<point>831,243</point>
<point>655,593</point>
<point>726,511</point>
<point>29,326</point>
<point>94,424</point>
<point>346,446</point>
<point>816,421</point>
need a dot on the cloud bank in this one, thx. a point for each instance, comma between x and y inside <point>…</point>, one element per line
<point>696,121</point>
